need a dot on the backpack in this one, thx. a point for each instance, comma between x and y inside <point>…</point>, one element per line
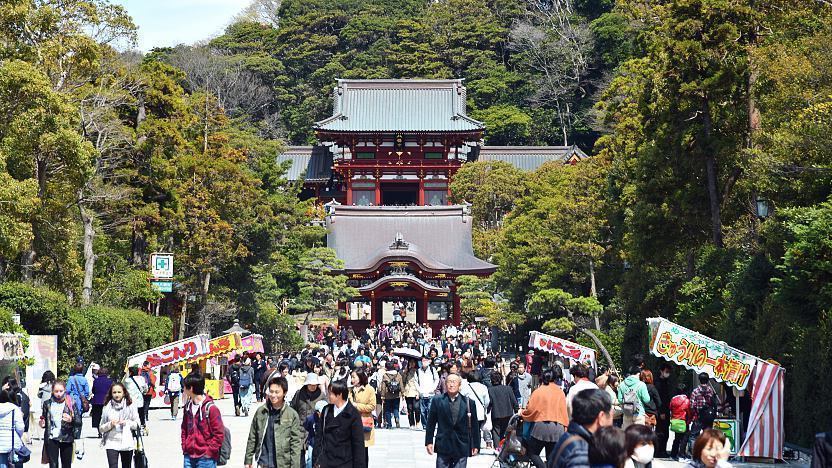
<point>234,375</point>
<point>150,378</point>
<point>393,388</point>
<point>174,384</point>
<point>245,379</point>
<point>225,448</point>
<point>707,413</point>
<point>630,402</point>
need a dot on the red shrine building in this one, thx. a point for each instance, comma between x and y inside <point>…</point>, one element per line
<point>381,169</point>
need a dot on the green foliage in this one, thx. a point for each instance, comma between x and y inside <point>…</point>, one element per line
<point>320,286</point>
<point>101,334</point>
<point>478,297</point>
<point>506,124</point>
<point>279,330</point>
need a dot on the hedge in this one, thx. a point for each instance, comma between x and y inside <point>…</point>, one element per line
<point>105,335</point>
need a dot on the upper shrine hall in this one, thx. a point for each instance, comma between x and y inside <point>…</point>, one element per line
<point>382,167</point>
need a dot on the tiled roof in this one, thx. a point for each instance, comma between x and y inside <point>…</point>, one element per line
<point>436,237</point>
<point>314,161</point>
<point>529,158</point>
<point>399,106</point>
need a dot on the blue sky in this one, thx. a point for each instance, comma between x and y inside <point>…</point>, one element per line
<point>170,22</point>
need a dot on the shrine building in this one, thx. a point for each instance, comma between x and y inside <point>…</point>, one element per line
<point>381,169</point>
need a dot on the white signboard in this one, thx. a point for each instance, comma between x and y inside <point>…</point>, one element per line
<point>161,265</point>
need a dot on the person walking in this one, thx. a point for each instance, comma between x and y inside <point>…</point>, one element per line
<point>427,382</point>
<point>100,389</point>
<point>524,385</point>
<point>11,428</point>
<point>136,386</point>
<point>339,436</point>
<point>503,406</point>
<point>260,367</point>
<point>411,393</point>
<point>78,388</point>
<point>651,408</point>
<point>173,389</point>
<point>633,395</point>
<point>274,438</point>
<point>304,404</point>
<point>61,424</point>
<point>591,410</point>
<point>147,397</point>
<point>580,382</point>
<point>21,399</point>
<point>248,386</point>
<point>703,404</point>
<point>546,412</point>
<point>679,422</point>
<point>391,392</point>
<point>119,419</point>
<point>202,430</point>
<point>665,391</point>
<point>478,393</point>
<point>363,397</point>
<point>233,378</point>
<point>453,431</point>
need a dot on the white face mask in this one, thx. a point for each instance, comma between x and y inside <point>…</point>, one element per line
<point>643,454</point>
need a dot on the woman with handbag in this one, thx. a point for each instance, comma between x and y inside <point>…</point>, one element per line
<point>119,419</point>
<point>363,397</point>
<point>62,425</point>
<point>651,408</point>
<point>11,431</point>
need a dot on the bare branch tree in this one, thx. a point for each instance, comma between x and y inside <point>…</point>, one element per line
<point>262,11</point>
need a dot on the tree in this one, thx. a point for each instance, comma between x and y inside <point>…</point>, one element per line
<point>321,288</point>
<point>478,297</point>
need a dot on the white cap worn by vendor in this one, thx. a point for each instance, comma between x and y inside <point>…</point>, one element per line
<point>311,379</point>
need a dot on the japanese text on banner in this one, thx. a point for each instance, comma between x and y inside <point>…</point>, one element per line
<point>700,353</point>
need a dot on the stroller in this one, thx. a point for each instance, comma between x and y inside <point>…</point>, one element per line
<point>512,450</point>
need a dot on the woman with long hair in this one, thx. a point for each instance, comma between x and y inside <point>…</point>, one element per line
<point>119,418</point>
<point>363,397</point>
<point>61,424</point>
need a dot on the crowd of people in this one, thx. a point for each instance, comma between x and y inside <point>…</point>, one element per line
<point>322,406</point>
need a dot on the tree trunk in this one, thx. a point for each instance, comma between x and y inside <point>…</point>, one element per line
<point>205,128</point>
<point>27,265</point>
<point>183,315</point>
<point>710,170</point>
<point>593,292</point>
<point>137,247</point>
<point>602,348</point>
<point>206,283</point>
<point>89,254</point>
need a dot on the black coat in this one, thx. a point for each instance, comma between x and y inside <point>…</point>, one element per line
<point>822,451</point>
<point>339,441</point>
<point>453,438</point>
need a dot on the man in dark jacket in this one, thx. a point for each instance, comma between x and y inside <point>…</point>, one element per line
<point>453,419</point>
<point>591,409</point>
<point>663,385</point>
<point>339,435</point>
<point>233,377</point>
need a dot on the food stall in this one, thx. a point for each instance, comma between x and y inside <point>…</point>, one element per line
<point>252,344</point>
<point>162,358</point>
<point>562,348</point>
<point>215,360</point>
<point>764,436</point>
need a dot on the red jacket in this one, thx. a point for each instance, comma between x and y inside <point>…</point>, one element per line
<point>203,433</point>
<point>680,407</point>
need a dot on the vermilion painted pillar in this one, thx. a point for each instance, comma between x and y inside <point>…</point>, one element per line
<point>349,191</point>
<point>378,191</point>
<point>421,191</point>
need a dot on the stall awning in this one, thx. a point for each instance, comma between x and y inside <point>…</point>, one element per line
<point>699,353</point>
<point>559,346</point>
<point>171,353</point>
<point>221,345</point>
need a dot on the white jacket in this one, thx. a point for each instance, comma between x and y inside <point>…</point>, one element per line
<point>427,380</point>
<point>477,393</point>
<point>118,437</point>
<point>10,416</point>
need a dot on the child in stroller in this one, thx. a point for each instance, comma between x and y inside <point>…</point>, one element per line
<point>512,450</point>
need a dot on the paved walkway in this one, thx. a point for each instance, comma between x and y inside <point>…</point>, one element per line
<point>395,448</point>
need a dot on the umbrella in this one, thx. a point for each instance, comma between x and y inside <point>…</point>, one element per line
<point>407,353</point>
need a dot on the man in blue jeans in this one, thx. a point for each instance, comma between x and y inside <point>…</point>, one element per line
<point>427,382</point>
<point>202,428</point>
